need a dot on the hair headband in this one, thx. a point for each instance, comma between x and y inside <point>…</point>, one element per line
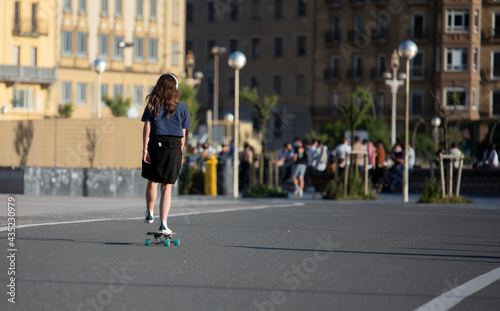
<point>176,81</point>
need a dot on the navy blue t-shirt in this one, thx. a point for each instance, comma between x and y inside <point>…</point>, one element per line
<point>172,126</point>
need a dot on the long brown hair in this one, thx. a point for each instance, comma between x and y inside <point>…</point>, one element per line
<point>164,95</point>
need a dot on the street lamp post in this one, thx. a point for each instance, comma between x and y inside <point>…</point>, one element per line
<point>236,60</point>
<point>99,67</point>
<point>436,122</point>
<point>394,82</point>
<point>407,49</point>
<point>216,51</point>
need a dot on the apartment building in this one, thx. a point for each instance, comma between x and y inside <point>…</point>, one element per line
<point>277,39</point>
<point>72,35</point>
<point>28,69</point>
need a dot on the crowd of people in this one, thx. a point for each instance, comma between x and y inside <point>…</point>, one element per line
<point>300,158</point>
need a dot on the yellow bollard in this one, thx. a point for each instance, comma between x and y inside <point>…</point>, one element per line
<point>211,176</point>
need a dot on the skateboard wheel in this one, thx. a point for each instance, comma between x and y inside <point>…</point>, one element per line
<point>166,243</point>
<point>147,242</point>
<point>177,242</point>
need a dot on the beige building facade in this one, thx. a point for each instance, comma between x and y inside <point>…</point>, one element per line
<point>77,33</point>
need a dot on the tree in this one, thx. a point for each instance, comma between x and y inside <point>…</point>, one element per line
<point>187,95</point>
<point>264,106</point>
<point>118,105</point>
<point>355,108</point>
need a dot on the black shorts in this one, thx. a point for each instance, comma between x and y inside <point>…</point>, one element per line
<point>166,158</point>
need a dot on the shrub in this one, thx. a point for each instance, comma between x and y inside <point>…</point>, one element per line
<point>432,193</point>
<point>265,191</point>
<point>356,189</point>
<point>118,105</point>
<point>191,181</point>
<point>65,111</point>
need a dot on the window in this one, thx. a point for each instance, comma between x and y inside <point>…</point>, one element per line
<point>417,66</point>
<point>138,95</point>
<point>67,43</point>
<point>16,53</point>
<point>301,45</point>
<point>278,84</point>
<point>380,105</point>
<point>301,7</point>
<point>210,44</point>
<point>496,25</point>
<point>211,11</point>
<point>33,57</point>
<point>333,71</point>
<point>34,18</point>
<point>139,48</point>
<point>139,9</point>
<point>153,49</point>
<point>66,96</point>
<point>256,47</point>
<point>495,66</point>
<point>476,20</point>
<point>117,50</point>
<point>103,45</point>
<point>333,102</point>
<point>81,43</point>
<point>119,8</point>
<point>67,6</point>
<point>256,9</point>
<point>474,65</point>
<point>278,9</point>
<point>438,59</point>
<point>81,93</point>
<point>416,103</point>
<point>23,98</point>
<point>357,67</point>
<point>117,90</point>
<point>255,82</point>
<point>16,16</point>
<point>104,92</point>
<point>457,20</point>
<point>301,84</point>
<point>233,45</point>
<point>418,26</point>
<point>234,13</point>
<point>104,7</point>
<point>380,65</point>
<point>82,8</point>
<point>334,34</point>
<point>190,9</point>
<point>189,45</point>
<point>175,11</point>
<point>457,59</point>
<point>456,96</point>
<point>174,60</point>
<point>278,47</point>
<point>495,103</point>
<point>474,99</point>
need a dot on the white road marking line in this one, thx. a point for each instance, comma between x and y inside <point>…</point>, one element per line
<point>452,297</point>
<point>138,218</point>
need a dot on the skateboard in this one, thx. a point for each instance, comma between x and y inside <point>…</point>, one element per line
<point>167,238</point>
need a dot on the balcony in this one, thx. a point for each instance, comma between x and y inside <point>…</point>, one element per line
<point>355,74</point>
<point>31,28</point>
<point>358,37</point>
<point>331,74</point>
<point>422,34</point>
<point>333,4</point>
<point>21,74</point>
<point>489,35</point>
<point>332,37</point>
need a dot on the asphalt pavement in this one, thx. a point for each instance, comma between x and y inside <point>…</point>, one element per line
<point>281,254</point>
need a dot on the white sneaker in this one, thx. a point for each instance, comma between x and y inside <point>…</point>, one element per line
<point>301,192</point>
<point>164,229</point>
<point>148,217</point>
<point>297,190</point>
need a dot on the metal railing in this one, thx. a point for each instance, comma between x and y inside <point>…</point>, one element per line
<point>23,74</point>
